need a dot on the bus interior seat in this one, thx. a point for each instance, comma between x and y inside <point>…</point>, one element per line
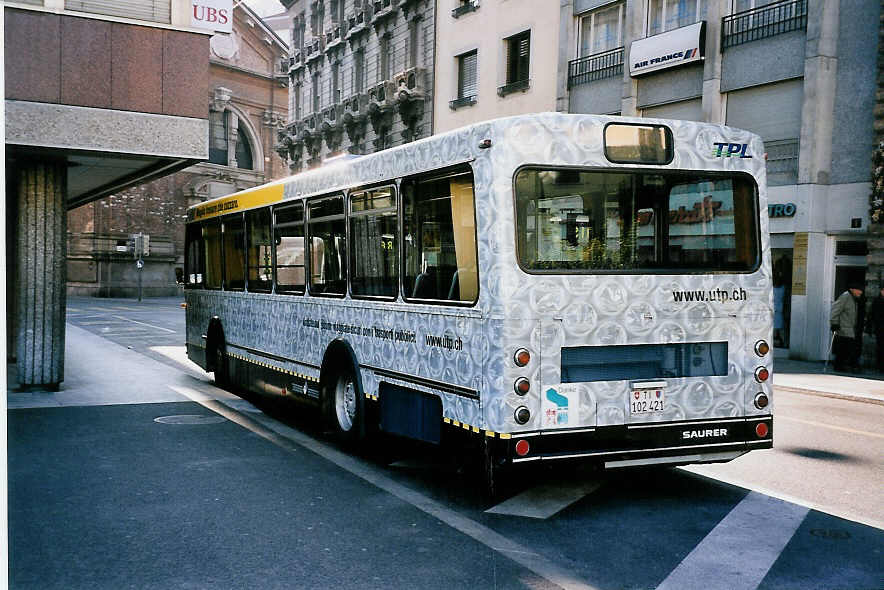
<point>454,291</point>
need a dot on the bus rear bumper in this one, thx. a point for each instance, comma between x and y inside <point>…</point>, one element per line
<point>667,443</point>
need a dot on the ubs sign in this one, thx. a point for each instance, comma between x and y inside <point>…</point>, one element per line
<point>214,15</point>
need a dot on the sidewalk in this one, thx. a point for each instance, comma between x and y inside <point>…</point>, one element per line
<point>101,372</point>
<point>808,377</point>
<point>98,371</point>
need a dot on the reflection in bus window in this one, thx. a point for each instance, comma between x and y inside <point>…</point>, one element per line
<point>374,251</point>
<point>260,258</point>
<point>440,239</point>
<point>573,220</point>
<point>234,253</point>
<point>194,257</point>
<point>212,240</point>
<point>328,247</point>
<point>289,237</point>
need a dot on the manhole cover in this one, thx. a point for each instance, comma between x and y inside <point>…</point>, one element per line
<point>189,419</point>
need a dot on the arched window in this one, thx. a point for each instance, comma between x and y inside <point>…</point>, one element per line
<point>243,150</point>
<point>241,153</point>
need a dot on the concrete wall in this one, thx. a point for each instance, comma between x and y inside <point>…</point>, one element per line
<point>68,60</point>
<point>485,30</point>
<point>782,56</point>
<point>854,139</point>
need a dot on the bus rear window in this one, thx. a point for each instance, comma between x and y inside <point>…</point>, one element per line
<point>625,221</point>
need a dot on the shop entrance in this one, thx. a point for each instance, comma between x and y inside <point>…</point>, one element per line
<point>782,287</point>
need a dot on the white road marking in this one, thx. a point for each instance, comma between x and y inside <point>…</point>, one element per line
<point>145,324</point>
<point>698,470</point>
<point>740,550</point>
<point>284,436</point>
<point>544,501</point>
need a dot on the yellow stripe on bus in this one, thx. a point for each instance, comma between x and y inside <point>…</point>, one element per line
<point>264,195</point>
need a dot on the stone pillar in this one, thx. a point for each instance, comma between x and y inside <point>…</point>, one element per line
<point>635,22</point>
<point>41,273</point>
<point>714,102</point>
<point>820,77</point>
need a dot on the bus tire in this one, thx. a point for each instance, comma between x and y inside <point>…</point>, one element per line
<point>346,406</point>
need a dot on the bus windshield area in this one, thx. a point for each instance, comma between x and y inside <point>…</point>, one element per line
<point>634,221</point>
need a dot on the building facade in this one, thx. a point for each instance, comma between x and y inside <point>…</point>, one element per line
<point>495,58</point>
<point>247,101</point>
<point>99,96</point>
<point>800,74</point>
<point>360,77</point>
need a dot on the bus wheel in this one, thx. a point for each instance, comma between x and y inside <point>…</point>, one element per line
<point>346,406</point>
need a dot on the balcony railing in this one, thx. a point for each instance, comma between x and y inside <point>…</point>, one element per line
<point>760,23</point>
<point>517,86</point>
<point>595,67</point>
<point>466,101</point>
<point>465,8</point>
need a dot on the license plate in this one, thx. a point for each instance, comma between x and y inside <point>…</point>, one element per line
<point>647,401</point>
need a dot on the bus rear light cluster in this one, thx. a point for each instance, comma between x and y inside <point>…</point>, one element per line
<point>761,401</point>
<point>522,415</point>
<point>522,448</point>
<point>762,348</point>
<point>522,386</point>
<point>761,430</point>
<point>762,374</point>
<point>522,357</point>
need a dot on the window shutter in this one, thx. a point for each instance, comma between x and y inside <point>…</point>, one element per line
<point>524,57</point>
<point>150,10</point>
<point>466,75</point>
<point>518,54</point>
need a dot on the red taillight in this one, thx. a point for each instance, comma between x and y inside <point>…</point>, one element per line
<point>761,374</point>
<point>761,430</point>
<point>522,357</point>
<point>522,448</point>
<point>522,386</point>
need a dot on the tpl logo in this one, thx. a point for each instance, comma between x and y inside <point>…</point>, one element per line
<point>727,150</point>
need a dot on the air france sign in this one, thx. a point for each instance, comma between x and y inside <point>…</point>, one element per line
<point>675,48</point>
<point>214,15</point>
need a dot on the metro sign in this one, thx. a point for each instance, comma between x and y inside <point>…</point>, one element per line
<point>214,15</point>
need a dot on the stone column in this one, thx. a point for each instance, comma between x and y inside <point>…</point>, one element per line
<point>714,102</point>
<point>635,23</point>
<point>41,273</point>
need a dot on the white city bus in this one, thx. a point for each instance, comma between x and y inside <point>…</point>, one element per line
<point>555,286</point>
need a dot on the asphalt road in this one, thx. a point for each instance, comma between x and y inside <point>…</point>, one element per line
<point>200,489</point>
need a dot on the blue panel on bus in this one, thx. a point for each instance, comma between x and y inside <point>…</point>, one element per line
<point>581,364</point>
<point>410,413</point>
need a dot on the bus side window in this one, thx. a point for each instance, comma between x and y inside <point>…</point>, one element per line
<point>234,253</point>
<point>212,251</point>
<point>260,253</point>
<point>327,240</point>
<point>374,241</point>
<point>194,258</point>
<point>439,225</point>
<point>288,237</point>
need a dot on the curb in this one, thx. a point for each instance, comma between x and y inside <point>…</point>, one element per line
<point>844,396</point>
